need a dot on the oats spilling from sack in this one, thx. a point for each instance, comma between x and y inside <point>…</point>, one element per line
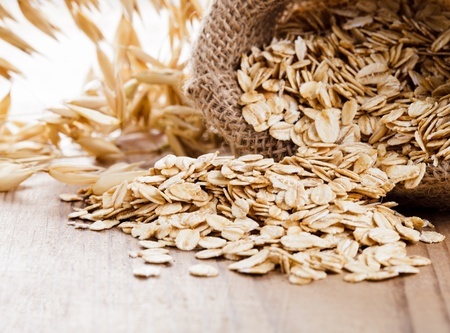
<point>369,72</point>
<point>315,213</point>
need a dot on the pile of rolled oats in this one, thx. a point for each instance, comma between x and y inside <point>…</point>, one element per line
<point>374,72</point>
<point>314,213</point>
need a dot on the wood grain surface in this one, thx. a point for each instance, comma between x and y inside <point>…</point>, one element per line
<point>54,278</point>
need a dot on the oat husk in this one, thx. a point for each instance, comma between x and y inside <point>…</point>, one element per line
<point>213,87</point>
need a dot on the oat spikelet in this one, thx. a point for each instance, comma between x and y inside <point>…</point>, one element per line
<point>75,174</point>
<point>94,115</point>
<point>11,38</point>
<point>12,174</point>
<point>106,68</point>
<point>4,14</point>
<point>36,17</point>
<point>86,25</point>
<point>135,92</point>
<point>5,103</point>
<point>6,68</point>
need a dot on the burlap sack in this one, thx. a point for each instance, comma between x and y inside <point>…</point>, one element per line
<point>230,29</point>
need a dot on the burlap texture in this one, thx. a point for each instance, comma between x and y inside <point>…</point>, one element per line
<point>229,30</point>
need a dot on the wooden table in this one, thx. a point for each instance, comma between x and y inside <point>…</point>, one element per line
<point>54,278</point>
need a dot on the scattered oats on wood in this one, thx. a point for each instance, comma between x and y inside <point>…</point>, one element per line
<point>314,213</point>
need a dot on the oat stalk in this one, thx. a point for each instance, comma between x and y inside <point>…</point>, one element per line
<point>134,92</point>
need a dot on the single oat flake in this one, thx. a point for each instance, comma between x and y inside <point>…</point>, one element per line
<point>202,270</point>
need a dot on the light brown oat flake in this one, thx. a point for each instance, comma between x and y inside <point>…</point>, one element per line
<point>187,239</point>
<point>252,261</point>
<point>212,242</point>
<point>151,244</point>
<point>157,258</point>
<point>383,236</point>
<point>260,269</point>
<point>147,271</point>
<point>294,279</point>
<point>431,237</point>
<point>103,225</point>
<point>67,197</point>
<point>202,270</point>
<point>240,208</point>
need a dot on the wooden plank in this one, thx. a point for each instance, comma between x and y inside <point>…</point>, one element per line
<point>55,278</point>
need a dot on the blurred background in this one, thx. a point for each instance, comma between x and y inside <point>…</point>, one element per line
<point>101,79</point>
<point>61,68</point>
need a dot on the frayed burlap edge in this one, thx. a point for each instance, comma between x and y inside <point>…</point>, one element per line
<point>229,30</point>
